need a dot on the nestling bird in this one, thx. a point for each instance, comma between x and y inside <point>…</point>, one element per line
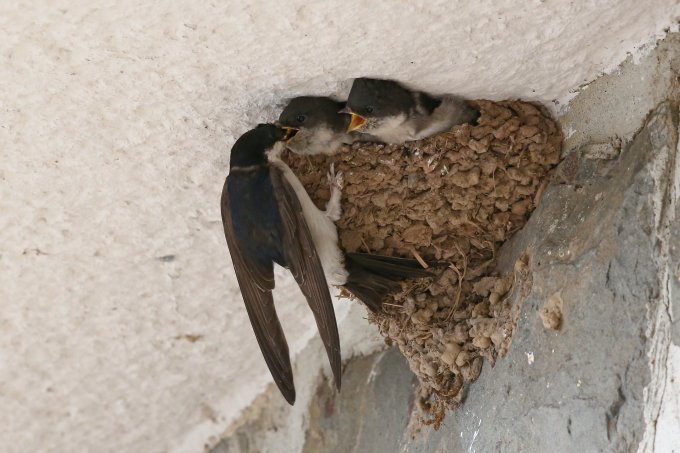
<point>268,218</point>
<point>395,114</point>
<point>322,129</point>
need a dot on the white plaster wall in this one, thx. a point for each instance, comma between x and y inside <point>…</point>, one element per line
<point>115,123</point>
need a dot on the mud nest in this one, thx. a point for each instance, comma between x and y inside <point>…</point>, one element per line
<point>453,198</point>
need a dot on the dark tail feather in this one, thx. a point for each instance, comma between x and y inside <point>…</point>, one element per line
<point>372,277</point>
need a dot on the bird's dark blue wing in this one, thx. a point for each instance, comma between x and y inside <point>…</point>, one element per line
<point>255,275</point>
<point>303,261</point>
<point>255,215</point>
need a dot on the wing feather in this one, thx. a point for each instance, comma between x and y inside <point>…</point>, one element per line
<point>256,281</point>
<point>304,263</point>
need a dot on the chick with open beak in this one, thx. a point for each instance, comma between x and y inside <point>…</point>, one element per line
<point>393,113</point>
<point>321,124</point>
<point>290,132</point>
<point>356,121</point>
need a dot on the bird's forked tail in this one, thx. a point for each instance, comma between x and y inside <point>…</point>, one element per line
<point>372,277</point>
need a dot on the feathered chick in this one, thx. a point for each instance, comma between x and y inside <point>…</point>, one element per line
<point>322,128</point>
<point>395,114</point>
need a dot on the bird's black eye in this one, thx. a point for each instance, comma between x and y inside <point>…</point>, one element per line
<point>369,109</point>
<point>300,119</point>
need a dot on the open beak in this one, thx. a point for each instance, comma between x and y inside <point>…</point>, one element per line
<point>290,133</point>
<point>356,123</point>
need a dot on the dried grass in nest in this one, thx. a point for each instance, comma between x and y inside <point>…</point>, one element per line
<point>455,197</point>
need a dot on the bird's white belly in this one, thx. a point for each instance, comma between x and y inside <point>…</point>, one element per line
<point>392,129</point>
<point>323,230</point>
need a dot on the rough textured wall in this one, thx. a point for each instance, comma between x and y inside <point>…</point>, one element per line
<point>121,326</point>
<point>604,243</point>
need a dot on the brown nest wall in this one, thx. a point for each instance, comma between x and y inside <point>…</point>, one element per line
<point>456,198</point>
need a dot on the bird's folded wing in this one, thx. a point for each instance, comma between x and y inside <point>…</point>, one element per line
<point>305,266</point>
<point>256,282</point>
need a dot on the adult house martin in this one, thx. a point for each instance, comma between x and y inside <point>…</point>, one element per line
<point>264,224</point>
<point>269,218</point>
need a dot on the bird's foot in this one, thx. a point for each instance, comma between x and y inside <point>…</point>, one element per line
<point>335,182</point>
